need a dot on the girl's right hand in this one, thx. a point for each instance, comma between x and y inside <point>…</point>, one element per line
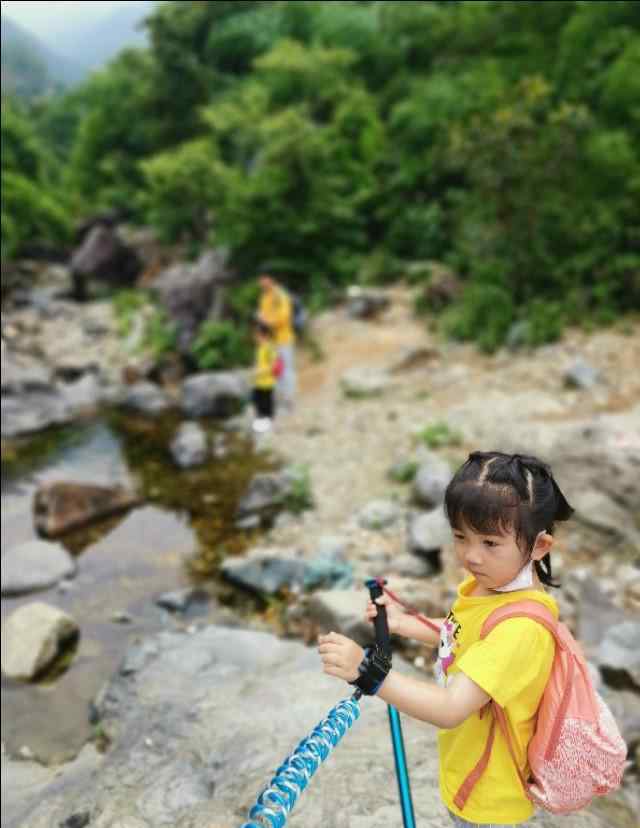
<point>395,615</point>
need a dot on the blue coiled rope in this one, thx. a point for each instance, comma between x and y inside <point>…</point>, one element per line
<point>276,802</point>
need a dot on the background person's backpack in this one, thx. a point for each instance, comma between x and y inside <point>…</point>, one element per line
<point>299,314</point>
<point>577,751</point>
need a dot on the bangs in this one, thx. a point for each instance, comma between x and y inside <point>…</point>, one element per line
<point>486,509</point>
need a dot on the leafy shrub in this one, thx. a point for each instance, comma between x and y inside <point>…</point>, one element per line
<point>484,314</point>
<point>439,435</point>
<point>219,345</point>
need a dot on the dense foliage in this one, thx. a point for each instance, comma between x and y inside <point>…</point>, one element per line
<point>345,141</point>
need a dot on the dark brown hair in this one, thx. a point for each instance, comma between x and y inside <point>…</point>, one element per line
<point>493,493</point>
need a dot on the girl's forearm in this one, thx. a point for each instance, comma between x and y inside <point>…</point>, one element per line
<point>412,628</point>
<point>421,700</point>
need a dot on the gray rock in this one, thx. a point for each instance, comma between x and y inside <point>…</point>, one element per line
<point>248,523</point>
<point>581,375</point>
<point>329,572</point>
<point>102,255</point>
<point>33,566</point>
<point>266,493</point>
<point>379,514</point>
<point>190,292</point>
<point>431,481</point>
<point>84,393</point>
<point>331,546</point>
<point>429,531</point>
<point>146,398</point>
<point>213,394</point>
<point>26,784</point>
<point>598,511</point>
<point>411,566</point>
<point>264,572</point>
<point>341,611</point>
<point>597,614</point>
<point>222,709</point>
<point>180,600</point>
<point>23,373</point>
<point>33,411</point>
<point>619,652</point>
<point>32,637</point>
<point>365,303</point>
<point>189,446</point>
<point>137,656</point>
<point>359,383</point>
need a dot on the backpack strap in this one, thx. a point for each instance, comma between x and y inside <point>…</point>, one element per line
<point>470,782</point>
<point>564,651</point>
<point>518,609</point>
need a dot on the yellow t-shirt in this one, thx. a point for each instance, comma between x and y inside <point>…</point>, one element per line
<point>266,356</point>
<point>275,310</point>
<point>512,664</point>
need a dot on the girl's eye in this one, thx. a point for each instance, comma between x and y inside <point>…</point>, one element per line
<point>459,538</point>
<point>490,544</point>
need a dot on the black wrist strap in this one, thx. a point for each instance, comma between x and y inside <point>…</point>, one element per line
<point>373,670</point>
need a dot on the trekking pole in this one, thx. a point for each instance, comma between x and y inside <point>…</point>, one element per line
<point>383,640</point>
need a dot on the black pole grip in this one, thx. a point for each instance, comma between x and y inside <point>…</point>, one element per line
<point>380,621</point>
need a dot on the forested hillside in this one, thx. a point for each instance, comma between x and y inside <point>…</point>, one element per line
<point>344,141</point>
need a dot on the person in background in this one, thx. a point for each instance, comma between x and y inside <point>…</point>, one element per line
<point>264,379</point>
<point>276,311</point>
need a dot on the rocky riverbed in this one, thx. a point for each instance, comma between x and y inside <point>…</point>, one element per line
<point>196,718</point>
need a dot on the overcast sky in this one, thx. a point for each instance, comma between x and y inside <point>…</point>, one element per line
<point>46,17</point>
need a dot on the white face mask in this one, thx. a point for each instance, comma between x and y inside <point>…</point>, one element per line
<point>524,578</point>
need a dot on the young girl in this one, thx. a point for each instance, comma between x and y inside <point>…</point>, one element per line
<point>264,377</point>
<point>502,509</point>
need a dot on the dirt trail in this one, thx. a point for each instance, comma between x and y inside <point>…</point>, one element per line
<point>349,444</point>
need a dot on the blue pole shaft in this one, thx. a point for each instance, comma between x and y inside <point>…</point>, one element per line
<point>402,772</point>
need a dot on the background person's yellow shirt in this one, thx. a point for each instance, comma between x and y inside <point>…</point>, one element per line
<point>275,309</point>
<point>512,665</point>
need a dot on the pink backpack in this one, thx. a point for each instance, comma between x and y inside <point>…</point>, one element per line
<point>577,751</point>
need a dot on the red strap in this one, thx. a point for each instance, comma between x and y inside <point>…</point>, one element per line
<point>469,783</point>
<point>499,714</point>
<point>410,610</point>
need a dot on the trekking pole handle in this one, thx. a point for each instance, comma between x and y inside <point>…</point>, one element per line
<point>383,640</point>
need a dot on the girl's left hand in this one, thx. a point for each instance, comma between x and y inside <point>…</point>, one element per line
<point>340,655</point>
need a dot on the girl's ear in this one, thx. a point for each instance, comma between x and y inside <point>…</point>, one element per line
<point>542,546</point>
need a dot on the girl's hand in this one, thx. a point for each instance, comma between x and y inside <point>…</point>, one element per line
<point>340,655</point>
<point>395,615</point>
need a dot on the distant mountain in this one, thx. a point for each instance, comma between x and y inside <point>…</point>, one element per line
<point>29,67</point>
<point>94,44</point>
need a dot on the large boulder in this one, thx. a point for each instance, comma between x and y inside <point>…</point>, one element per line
<point>214,394</point>
<point>188,292</point>
<point>23,373</point>
<point>59,507</point>
<point>33,411</point>
<point>266,571</point>
<point>32,638</point>
<point>603,455</point>
<point>35,565</point>
<point>199,727</point>
<point>102,255</point>
<point>146,398</point>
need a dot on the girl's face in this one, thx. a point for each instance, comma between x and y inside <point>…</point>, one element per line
<point>494,560</point>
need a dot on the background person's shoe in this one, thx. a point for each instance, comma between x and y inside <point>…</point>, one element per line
<point>261,425</point>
